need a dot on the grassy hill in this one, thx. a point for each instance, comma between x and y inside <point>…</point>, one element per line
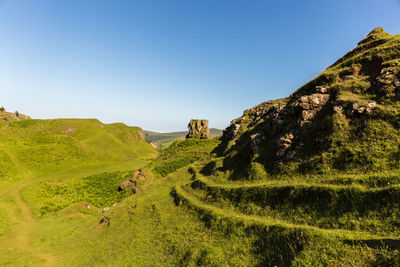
<point>313,178</point>
<point>308,180</point>
<point>37,152</point>
<point>165,139</point>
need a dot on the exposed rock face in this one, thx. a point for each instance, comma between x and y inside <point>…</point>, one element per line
<point>324,114</point>
<point>287,116</point>
<point>198,129</point>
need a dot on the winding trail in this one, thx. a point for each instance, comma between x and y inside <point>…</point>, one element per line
<point>22,223</point>
<point>18,241</point>
<point>20,245</point>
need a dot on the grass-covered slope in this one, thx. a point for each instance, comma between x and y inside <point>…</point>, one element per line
<point>39,147</point>
<point>313,178</point>
<point>180,154</point>
<point>308,180</point>
<point>54,157</point>
<point>345,120</point>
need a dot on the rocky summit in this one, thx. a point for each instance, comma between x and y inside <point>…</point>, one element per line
<point>344,119</point>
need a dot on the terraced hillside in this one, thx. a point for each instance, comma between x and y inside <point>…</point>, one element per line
<point>313,177</point>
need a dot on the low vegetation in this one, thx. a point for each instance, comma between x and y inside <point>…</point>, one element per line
<point>308,180</point>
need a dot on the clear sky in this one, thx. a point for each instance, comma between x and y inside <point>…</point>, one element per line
<point>157,64</point>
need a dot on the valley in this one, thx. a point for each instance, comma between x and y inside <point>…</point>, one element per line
<point>308,180</point>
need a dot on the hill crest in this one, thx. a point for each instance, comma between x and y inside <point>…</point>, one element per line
<point>339,120</point>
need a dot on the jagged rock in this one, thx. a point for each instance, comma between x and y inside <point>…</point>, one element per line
<point>313,101</point>
<point>363,109</point>
<point>198,129</point>
<point>311,104</point>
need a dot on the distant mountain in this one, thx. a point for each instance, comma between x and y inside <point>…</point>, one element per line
<point>165,139</point>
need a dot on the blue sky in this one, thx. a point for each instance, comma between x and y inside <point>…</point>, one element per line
<point>157,64</point>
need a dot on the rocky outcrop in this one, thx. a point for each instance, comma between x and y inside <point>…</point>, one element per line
<point>133,184</point>
<point>12,116</point>
<point>130,185</point>
<point>283,119</point>
<point>198,129</point>
<point>321,119</point>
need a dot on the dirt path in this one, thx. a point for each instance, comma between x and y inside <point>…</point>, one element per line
<point>21,223</point>
<point>18,240</point>
<point>17,246</point>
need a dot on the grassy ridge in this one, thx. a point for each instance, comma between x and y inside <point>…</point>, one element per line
<point>283,244</point>
<point>39,153</point>
<point>45,146</point>
<point>325,206</point>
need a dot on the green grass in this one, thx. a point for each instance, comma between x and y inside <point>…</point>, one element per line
<point>338,139</point>
<point>336,206</point>
<point>99,190</point>
<point>283,244</point>
<point>180,154</point>
<point>39,153</point>
<point>46,146</point>
<point>146,229</point>
<point>325,206</point>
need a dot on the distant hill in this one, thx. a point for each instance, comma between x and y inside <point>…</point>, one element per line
<point>165,139</point>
